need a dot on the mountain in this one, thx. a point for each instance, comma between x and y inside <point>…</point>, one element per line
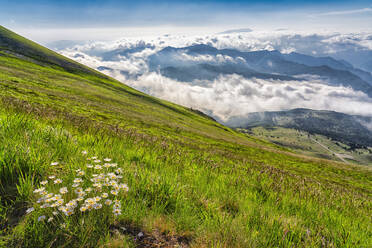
<point>185,180</point>
<point>206,62</point>
<point>350,129</point>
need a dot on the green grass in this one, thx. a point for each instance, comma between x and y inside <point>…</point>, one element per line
<point>189,178</point>
<point>303,142</point>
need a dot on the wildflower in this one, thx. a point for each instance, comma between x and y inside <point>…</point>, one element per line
<point>46,205</point>
<point>50,219</point>
<point>42,217</point>
<point>63,190</point>
<point>97,161</point>
<point>140,234</point>
<point>83,209</point>
<point>57,181</point>
<point>124,187</point>
<point>97,198</point>
<point>90,201</point>
<point>89,166</point>
<point>97,206</point>
<point>108,202</point>
<point>106,165</point>
<point>116,212</point>
<point>88,190</point>
<point>118,170</point>
<point>104,195</point>
<point>75,185</point>
<point>40,200</point>
<point>43,182</point>
<point>52,177</point>
<point>97,185</point>
<point>39,190</point>
<point>69,212</point>
<point>97,167</point>
<point>78,180</point>
<point>54,212</point>
<point>81,173</point>
<point>114,165</point>
<point>107,159</point>
<point>57,197</point>
<point>80,198</point>
<point>79,190</point>
<point>114,192</point>
<point>63,225</point>
<point>84,152</point>
<point>93,157</point>
<point>54,163</point>
<point>50,195</point>
<point>29,210</point>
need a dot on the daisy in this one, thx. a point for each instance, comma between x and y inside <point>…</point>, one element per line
<point>83,209</point>
<point>29,210</point>
<point>97,206</point>
<point>54,163</point>
<point>78,180</point>
<point>117,212</point>
<point>39,190</point>
<point>88,190</point>
<point>108,202</point>
<point>107,159</point>
<point>42,217</point>
<point>75,185</point>
<point>50,219</point>
<point>44,182</point>
<point>54,212</point>
<point>52,177</point>
<point>104,195</point>
<point>63,190</point>
<point>84,152</point>
<point>81,173</point>
<point>57,181</point>
<point>114,192</point>
<point>97,167</point>
<point>97,161</point>
<point>89,166</point>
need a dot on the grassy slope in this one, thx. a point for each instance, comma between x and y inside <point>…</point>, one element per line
<point>303,142</point>
<point>188,176</point>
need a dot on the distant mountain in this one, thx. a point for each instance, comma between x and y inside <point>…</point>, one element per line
<point>207,62</point>
<point>351,129</point>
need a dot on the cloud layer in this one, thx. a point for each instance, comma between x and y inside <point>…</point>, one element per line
<point>232,95</point>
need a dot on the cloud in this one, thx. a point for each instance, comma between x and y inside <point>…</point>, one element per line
<point>234,96</point>
<point>344,12</point>
<point>231,97</point>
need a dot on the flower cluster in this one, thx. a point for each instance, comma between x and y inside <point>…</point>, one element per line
<point>94,187</point>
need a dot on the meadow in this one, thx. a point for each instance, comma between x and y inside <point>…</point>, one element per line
<point>191,182</point>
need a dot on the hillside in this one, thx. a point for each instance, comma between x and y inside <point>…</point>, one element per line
<point>192,182</point>
<point>349,129</point>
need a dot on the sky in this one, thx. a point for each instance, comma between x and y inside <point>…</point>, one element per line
<point>46,21</point>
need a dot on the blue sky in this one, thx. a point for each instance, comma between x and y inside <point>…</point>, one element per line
<point>97,19</point>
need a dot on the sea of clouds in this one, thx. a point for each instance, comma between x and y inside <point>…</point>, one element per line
<point>232,95</point>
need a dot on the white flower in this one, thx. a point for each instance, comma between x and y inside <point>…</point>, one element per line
<point>50,219</point>
<point>104,195</point>
<point>114,165</point>
<point>78,180</point>
<point>114,192</point>
<point>93,157</point>
<point>124,187</point>
<point>55,213</point>
<point>42,217</point>
<point>54,163</point>
<point>97,206</point>
<point>75,185</point>
<point>107,159</point>
<point>140,234</point>
<point>52,177</point>
<point>89,166</point>
<point>116,212</point>
<point>97,167</point>
<point>44,182</point>
<point>63,190</point>
<point>57,181</point>
<point>96,161</point>
<point>29,210</point>
<point>88,189</point>
<point>84,152</point>
<point>39,190</point>
<point>81,173</point>
<point>108,202</point>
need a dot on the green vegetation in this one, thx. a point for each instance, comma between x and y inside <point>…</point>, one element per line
<point>312,144</point>
<point>192,182</point>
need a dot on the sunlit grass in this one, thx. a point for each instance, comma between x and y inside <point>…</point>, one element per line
<point>190,179</point>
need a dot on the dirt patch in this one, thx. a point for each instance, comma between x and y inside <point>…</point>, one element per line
<point>156,238</point>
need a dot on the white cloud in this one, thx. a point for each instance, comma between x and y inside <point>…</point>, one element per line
<point>345,12</point>
<point>234,96</point>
